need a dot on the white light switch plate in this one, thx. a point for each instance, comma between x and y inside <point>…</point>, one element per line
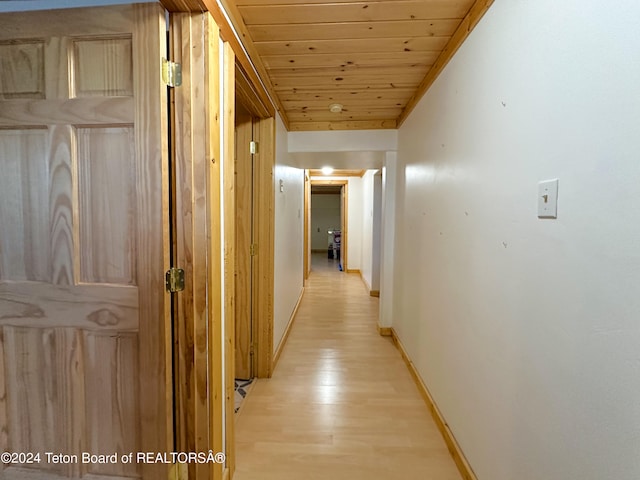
<point>548,199</point>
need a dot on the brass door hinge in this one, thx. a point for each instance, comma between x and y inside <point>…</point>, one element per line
<point>253,249</point>
<point>171,73</point>
<point>253,148</point>
<point>174,280</point>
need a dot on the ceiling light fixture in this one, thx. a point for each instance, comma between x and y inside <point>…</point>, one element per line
<point>327,170</point>
<point>335,107</point>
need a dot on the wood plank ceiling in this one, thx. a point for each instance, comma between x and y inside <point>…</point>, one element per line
<point>376,58</point>
<point>372,57</point>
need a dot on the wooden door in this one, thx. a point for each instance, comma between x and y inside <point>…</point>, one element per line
<point>244,188</point>
<point>84,318</point>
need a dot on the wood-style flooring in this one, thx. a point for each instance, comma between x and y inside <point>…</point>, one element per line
<point>341,404</point>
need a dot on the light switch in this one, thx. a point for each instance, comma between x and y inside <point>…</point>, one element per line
<point>548,199</point>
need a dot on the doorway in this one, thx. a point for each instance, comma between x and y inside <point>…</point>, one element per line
<point>326,221</point>
<point>254,242</point>
<point>376,235</point>
<point>245,244</point>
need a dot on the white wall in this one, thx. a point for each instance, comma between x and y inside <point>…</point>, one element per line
<point>387,261</point>
<point>376,231</point>
<point>325,216</point>
<point>367,228</point>
<point>289,225</point>
<point>343,141</point>
<point>527,331</point>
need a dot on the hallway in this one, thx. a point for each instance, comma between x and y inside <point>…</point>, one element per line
<point>341,404</point>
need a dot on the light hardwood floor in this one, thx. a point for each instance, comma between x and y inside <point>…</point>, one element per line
<point>341,404</point>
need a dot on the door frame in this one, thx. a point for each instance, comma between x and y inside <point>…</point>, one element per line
<point>264,224</point>
<point>202,333</point>
<point>307,228</point>
<point>376,241</point>
<point>252,87</point>
<point>229,254</point>
<point>262,219</point>
<point>244,181</point>
<point>344,220</point>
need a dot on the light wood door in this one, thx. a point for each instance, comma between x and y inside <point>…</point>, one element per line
<point>244,188</point>
<point>84,319</point>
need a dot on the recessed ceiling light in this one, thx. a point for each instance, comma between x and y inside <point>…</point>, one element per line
<point>327,170</point>
<point>335,107</point>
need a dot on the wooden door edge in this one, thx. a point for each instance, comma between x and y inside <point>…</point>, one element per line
<point>229,254</point>
<point>264,216</point>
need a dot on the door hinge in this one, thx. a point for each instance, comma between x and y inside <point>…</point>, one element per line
<point>171,73</point>
<point>253,148</point>
<point>253,249</point>
<point>179,471</point>
<point>251,349</point>
<point>174,280</point>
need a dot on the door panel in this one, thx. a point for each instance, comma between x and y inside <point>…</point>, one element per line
<point>22,73</point>
<point>26,204</point>
<point>107,168</point>
<point>103,67</point>
<point>84,241</point>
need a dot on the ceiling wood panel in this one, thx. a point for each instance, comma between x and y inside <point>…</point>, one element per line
<point>338,125</point>
<point>354,45</point>
<point>399,71</point>
<point>325,115</point>
<point>319,119</point>
<point>322,104</point>
<point>373,57</point>
<point>346,94</point>
<point>349,80</point>
<point>353,12</point>
<point>350,60</point>
<point>364,79</point>
<point>413,28</point>
<point>351,110</point>
<point>368,111</point>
